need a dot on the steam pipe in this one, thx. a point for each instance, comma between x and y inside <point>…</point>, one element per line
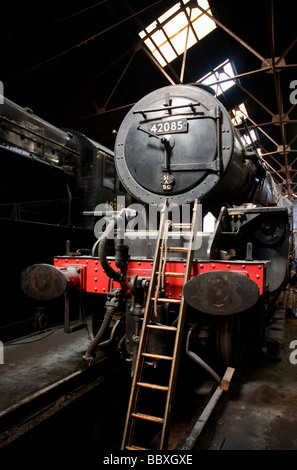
<point>110,309</point>
<point>110,272</point>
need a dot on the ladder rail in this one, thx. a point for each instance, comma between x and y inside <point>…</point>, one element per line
<point>179,333</point>
<point>128,429</point>
<point>137,383</point>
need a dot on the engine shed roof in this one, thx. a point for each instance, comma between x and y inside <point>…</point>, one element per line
<point>82,65</point>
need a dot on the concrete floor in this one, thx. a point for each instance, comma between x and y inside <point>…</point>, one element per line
<point>37,361</point>
<point>261,410</point>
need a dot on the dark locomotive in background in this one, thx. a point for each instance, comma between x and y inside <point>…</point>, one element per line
<point>179,144</point>
<point>49,177</point>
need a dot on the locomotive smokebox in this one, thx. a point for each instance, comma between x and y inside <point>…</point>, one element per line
<point>46,282</point>
<point>178,142</point>
<point>221,293</point>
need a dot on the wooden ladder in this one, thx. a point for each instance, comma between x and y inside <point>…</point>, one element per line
<point>149,327</point>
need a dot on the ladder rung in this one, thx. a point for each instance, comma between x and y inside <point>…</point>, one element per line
<point>153,386</point>
<point>178,249</point>
<point>162,327</point>
<point>135,448</point>
<point>171,274</point>
<point>181,225</point>
<point>156,419</point>
<point>158,356</point>
<point>163,299</point>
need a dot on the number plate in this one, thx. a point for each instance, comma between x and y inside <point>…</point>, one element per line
<point>168,127</point>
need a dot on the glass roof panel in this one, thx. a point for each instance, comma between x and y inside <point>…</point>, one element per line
<point>169,32</point>
<point>223,71</point>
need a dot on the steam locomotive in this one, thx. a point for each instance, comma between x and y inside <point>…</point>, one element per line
<point>177,153</point>
<point>61,172</point>
<point>49,177</point>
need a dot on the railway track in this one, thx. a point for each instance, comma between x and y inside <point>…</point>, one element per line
<point>189,438</point>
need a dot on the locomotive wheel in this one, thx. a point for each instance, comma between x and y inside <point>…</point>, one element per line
<point>228,339</point>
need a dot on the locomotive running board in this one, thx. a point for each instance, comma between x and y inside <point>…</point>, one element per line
<point>139,386</point>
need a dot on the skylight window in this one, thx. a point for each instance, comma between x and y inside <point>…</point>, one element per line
<point>178,28</point>
<point>237,115</point>
<point>248,139</point>
<point>224,71</point>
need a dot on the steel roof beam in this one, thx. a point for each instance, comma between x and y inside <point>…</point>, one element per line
<point>234,36</point>
<point>278,92</point>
